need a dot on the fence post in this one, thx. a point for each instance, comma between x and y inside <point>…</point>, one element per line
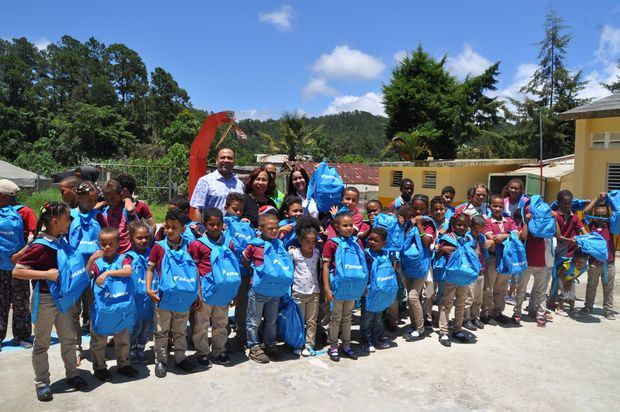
<point>169,183</point>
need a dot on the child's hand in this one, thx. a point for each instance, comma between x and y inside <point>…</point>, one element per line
<point>16,257</point>
<point>488,243</point>
<point>333,210</point>
<point>52,274</point>
<point>97,254</point>
<point>284,230</point>
<point>153,295</point>
<point>528,217</point>
<point>101,278</point>
<point>329,296</point>
<point>245,219</point>
<point>100,205</point>
<point>417,220</point>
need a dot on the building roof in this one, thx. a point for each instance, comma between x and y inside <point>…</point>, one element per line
<point>553,171</point>
<point>606,107</point>
<point>22,177</point>
<point>351,173</point>
<point>457,163</point>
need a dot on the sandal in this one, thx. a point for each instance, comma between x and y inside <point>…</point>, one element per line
<point>349,353</point>
<point>333,355</point>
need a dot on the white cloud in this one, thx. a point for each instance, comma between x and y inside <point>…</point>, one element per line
<point>608,45</point>
<point>255,114</point>
<point>370,102</point>
<point>400,55</point>
<point>281,18</point>
<point>467,63</point>
<point>316,87</point>
<point>594,89</point>
<point>524,74</point>
<point>344,62</point>
<point>42,43</point>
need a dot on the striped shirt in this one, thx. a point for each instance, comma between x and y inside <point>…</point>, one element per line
<point>212,189</point>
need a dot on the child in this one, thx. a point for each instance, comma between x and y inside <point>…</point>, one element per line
<point>120,211</point>
<point>39,264</point>
<point>451,293</point>
<point>241,232</point>
<point>306,290</point>
<point>420,206</point>
<point>272,279</point>
<point>142,210</point>
<point>497,229</point>
<point>514,196</point>
<point>350,199</point>
<point>290,211</point>
<point>449,193</point>
<point>68,190</point>
<point>193,230</point>
<point>348,283</point>
<point>477,203</point>
<point>567,226</point>
<point>407,187</point>
<point>220,279</point>
<point>13,291</point>
<point>105,263</point>
<point>373,208</point>
<point>473,303</point>
<point>170,258</point>
<point>439,212</point>
<point>138,257</point>
<point>568,272</point>
<point>600,224</point>
<point>381,291</point>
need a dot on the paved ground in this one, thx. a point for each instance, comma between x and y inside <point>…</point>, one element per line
<point>573,364</point>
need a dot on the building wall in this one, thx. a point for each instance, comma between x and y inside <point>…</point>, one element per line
<point>590,174</point>
<point>460,177</point>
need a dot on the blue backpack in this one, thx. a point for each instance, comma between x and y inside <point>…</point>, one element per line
<point>189,234</point>
<point>291,237</point>
<point>240,233</point>
<point>575,205</point>
<point>84,232</point>
<point>144,304</point>
<point>513,258</point>
<point>613,201</point>
<point>114,306</point>
<point>290,323</point>
<point>72,276</point>
<point>220,286</point>
<point>275,276</point>
<point>325,187</point>
<point>350,277</point>
<point>542,224</point>
<point>178,283</point>
<point>11,235</point>
<point>396,235</point>
<point>594,245</point>
<point>463,267</point>
<point>383,284</point>
<point>416,258</point>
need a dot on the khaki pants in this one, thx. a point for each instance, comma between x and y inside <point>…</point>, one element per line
<point>217,318</point>
<point>452,295</point>
<point>427,302</point>
<point>594,273</point>
<point>98,344</point>
<point>309,305</point>
<point>166,321</point>
<point>414,294</point>
<point>538,299</point>
<point>342,314</point>
<point>495,288</point>
<point>48,316</point>
<point>473,303</point>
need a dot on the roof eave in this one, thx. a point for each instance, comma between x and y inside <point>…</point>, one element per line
<point>597,114</point>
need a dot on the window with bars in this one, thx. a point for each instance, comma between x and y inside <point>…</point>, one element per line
<point>605,140</point>
<point>430,180</point>
<point>397,178</point>
<point>613,176</point>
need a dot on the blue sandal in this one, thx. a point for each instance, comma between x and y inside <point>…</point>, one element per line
<point>333,355</point>
<point>350,353</point>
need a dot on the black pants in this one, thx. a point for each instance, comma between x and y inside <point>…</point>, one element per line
<point>16,292</point>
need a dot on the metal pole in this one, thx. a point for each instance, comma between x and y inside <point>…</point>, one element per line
<point>540,185</point>
<point>169,183</point>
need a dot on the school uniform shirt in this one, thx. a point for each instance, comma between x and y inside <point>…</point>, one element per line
<point>306,280</point>
<point>39,257</point>
<point>157,255</point>
<point>201,254</point>
<point>611,248</point>
<point>126,262</point>
<point>499,227</point>
<point>255,254</point>
<point>116,218</point>
<point>329,251</point>
<point>535,251</point>
<point>29,219</point>
<point>569,227</point>
<point>471,210</point>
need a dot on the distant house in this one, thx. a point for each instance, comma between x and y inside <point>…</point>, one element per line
<point>279,159</point>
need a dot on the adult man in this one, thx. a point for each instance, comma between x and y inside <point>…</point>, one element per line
<point>278,196</point>
<point>212,189</point>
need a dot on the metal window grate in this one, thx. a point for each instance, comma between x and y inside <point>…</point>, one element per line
<point>430,180</point>
<point>397,178</point>
<point>613,176</point>
<point>604,140</point>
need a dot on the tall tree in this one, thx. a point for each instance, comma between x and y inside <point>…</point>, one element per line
<point>166,100</point>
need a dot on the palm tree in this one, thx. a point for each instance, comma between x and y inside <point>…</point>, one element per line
<point>294,135</point>
<point>409,146</point>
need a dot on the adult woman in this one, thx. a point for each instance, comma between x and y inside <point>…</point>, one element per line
<point>514,197</point>
<point>259,187</point>
<point>298,186</point>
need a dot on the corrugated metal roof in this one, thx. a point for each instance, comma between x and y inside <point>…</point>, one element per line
<point>551,171</point>
<point>606,107</point>
<point>457,163</point>
<point>351,173</point>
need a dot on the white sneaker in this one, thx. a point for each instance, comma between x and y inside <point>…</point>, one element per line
<point>369,348</point>
<point>24,344</point>
<point>561,312</point>
<point>305,353</point>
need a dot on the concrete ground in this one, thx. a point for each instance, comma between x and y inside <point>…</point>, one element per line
<point>572,364</point>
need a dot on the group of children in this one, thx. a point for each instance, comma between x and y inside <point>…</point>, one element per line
<point>135,281</point>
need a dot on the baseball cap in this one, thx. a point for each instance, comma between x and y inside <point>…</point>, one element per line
<point>8,188</point>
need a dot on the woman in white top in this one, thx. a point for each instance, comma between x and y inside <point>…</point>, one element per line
<point>298,186</point>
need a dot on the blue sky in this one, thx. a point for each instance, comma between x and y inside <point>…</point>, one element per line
<point>260,58</point>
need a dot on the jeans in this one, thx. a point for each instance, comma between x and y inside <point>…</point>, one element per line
<point>266,307</point>
<point>371,326</point>
<point>140,333</point>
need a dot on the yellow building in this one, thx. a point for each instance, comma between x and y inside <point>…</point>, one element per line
<point>597,146</point>
<point>430,176</point>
